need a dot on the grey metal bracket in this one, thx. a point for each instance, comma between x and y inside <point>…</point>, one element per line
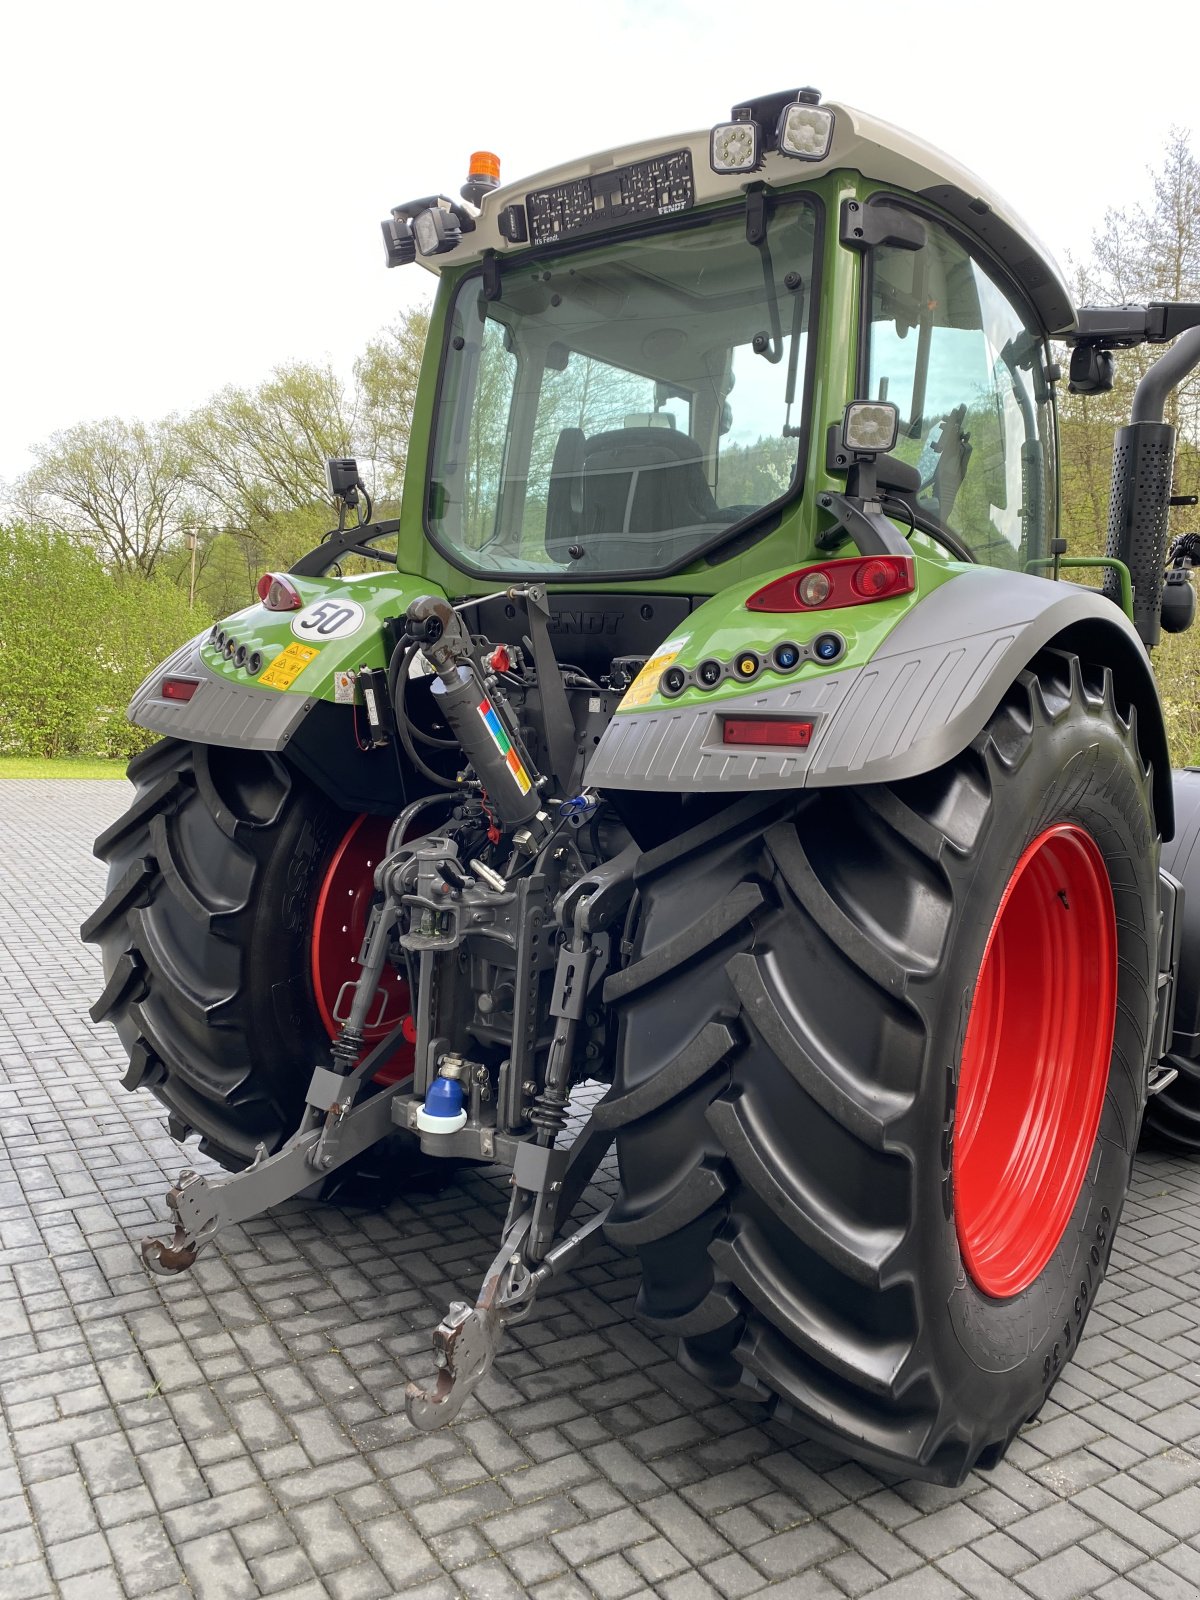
<point>201,1207</point>
<point>466,1340</point>
<point>546,1184</point>
<point>335,1094</point>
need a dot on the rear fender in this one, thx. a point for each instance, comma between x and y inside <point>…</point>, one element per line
<point>927,691</point>
<point>297,701</point>
<point>259,673</point>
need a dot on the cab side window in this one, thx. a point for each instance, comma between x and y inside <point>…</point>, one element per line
<point>965,365</point>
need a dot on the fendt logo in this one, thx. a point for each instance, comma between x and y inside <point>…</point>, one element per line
<point>584,621</point>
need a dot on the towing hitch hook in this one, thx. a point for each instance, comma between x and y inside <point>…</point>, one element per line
<point>169,1257</point>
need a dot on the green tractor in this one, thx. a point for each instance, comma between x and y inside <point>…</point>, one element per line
<point>722,721</point>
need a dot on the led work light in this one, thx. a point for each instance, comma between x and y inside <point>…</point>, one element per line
<point>805,131</point>
<point>398,246</point>
<point>734,147</point>
<point>435,231</point>
<point>869,427</point>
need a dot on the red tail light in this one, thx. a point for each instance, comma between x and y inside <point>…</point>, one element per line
<point>782,732</point>
<point>851,582</point>
<point>279,593</point>
<point>178,688</point>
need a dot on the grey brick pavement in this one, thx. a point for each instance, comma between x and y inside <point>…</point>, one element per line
<point>240,1432</point>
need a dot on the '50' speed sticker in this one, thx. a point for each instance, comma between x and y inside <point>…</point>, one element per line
<point>328,619</point>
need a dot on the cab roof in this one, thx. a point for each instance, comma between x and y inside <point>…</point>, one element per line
<point>862,143</point>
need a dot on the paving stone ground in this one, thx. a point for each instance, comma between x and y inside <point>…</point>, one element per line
<point>240,1432</point>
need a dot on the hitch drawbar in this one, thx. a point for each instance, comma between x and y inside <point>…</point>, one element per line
<point>546,1185</point>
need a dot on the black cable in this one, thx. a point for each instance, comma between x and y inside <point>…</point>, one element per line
<point>396,685</point>
<point>399,828</point>
<point>942,536</point>
<point>418,733</point>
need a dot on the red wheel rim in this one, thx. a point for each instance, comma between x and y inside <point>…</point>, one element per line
<point>1035,1060</point>
<point>339,923</point>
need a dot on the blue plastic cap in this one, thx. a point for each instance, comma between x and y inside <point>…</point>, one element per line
<point>445,1098</point>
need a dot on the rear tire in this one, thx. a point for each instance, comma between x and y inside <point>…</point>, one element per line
<point>205,934</point>
<point>786,1089</point>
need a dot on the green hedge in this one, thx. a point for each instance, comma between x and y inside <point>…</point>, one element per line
<point>75,642</point>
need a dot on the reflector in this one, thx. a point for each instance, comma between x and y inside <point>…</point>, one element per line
<point>178,688</point>
<point>782,732</point>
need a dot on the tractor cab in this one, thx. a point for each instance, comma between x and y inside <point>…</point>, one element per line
<point>627,353</point>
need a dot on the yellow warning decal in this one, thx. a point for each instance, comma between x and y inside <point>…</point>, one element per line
<point>645,684</point>
<point>287,666</point>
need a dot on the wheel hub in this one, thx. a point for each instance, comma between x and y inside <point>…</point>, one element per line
<point>1035,1060</point>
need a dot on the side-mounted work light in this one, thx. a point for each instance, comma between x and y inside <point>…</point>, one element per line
<point>433,224</point>
<point>398,246</point>
<point>435,231</point>
<point>870,427</point>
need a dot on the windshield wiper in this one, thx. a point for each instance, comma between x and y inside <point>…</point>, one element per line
<point>767,345</point>
<point>795,284</point>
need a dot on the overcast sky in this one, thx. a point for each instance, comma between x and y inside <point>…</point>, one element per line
<point>190,194</point>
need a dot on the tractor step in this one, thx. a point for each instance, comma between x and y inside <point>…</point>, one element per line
<point>1161,1078</point>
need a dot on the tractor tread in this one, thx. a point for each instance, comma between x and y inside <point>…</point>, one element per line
<point>700,1056</point>
<point>183,932</point>
<point>829,1083</point>
<point>131,889</point>
<point>809,1210</point>
<point>692,941</point>
<point>699,1190</point>
<point>128,974</point>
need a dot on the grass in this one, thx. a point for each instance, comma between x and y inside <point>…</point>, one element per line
<point>64,767</point>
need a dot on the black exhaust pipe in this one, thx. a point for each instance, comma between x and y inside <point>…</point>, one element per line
<point>1143,464</point>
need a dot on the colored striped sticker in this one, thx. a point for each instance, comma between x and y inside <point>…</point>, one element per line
<point>504,744</point>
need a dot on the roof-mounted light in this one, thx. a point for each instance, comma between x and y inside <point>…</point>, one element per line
<point>483,164</point>
<point>483,175</point>
<point>435,231</point>
<point>805,128</point>
<point>735,146</point>
<point>398,246</point>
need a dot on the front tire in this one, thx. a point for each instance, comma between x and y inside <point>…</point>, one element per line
<point>788,1083</point>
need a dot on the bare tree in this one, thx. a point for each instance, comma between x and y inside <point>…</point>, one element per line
<point>261,452</point>
<point>122,487</point>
